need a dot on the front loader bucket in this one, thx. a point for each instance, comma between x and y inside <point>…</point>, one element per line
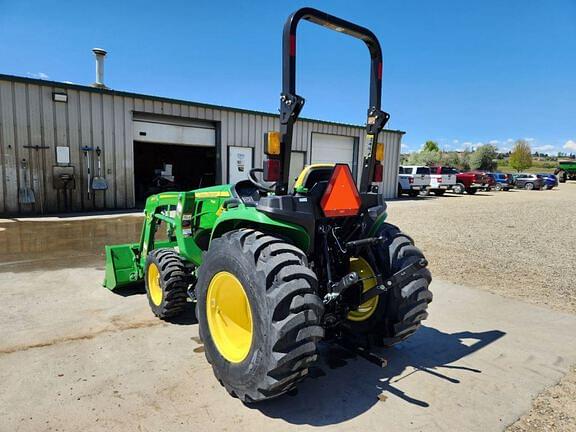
<point>121,266</point>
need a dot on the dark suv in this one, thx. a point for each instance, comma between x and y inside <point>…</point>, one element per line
<point>529,181</point>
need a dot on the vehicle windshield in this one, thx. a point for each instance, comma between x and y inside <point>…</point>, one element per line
<point>423,170</point>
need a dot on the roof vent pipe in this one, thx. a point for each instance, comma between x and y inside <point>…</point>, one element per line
<point>100,54</point>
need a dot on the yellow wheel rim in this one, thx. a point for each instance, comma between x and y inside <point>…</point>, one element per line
<point>229,317</point>
<point>154,287</point>
<point>365,310</point>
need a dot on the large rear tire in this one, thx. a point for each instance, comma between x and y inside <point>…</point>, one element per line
<point>166,281</point>
<point>399,312</point>
<point>272,303</point>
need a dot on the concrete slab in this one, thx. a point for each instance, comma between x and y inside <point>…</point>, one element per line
<point>75,356</point>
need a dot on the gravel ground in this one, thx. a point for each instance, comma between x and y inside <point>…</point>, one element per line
<point>517,244</point>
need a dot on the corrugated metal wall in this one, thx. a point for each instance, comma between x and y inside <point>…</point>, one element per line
<point>104,118</point>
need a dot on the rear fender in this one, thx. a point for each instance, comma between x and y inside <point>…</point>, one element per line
<point>250,217</point>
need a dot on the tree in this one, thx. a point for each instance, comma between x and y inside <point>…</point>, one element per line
<point>425,157</point>
<point>521,156</point>
<point>451,159</point>
<point>484,158</point>
<point>431,146</point>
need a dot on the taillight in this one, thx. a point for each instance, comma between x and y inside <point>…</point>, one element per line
<point>410,179</point>
<point>271,170</point>
<point>439,179</point>
<point>378,173</point>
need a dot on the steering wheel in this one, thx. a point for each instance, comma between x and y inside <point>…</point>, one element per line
<point>255,182</point>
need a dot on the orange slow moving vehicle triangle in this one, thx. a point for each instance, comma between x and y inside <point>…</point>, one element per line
<point>341,197</point>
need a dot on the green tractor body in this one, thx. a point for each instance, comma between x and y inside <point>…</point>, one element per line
<point>272,270</point>
<point>192,219</point>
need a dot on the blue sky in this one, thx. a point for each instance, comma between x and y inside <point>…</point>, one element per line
<point>459,72</point>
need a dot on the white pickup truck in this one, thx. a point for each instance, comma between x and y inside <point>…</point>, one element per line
<point>413,180</point>
<point>441,179</point>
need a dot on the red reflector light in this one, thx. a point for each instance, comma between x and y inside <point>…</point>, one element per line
<point>378,173</point>
<point>271,170</point>
<point>410,179</point>
<point>341,197</point>
<point>439,179</point>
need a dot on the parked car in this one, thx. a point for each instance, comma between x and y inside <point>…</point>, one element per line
<point>550,180</point>
<point>529,181</point>
<point>502,181</point>
<point>489,180</point>
<point>471,182</point>
<point>441,179</point>
<point>413,179</point>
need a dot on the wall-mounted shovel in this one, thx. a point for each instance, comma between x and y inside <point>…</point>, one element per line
<point>86,150</point>
<point>99,182</point>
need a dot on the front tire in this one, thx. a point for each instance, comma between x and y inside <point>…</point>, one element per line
<point>529,186</point>
<point>284,314</point>
<point>166,281</point>
<point>498,187</point>
<point>399,312</point>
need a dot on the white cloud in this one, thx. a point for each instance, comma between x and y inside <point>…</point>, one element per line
<point>404,145</point>
<point>544,148</point>
<point>38,75</point>
<point>509,140</point>
<point>493,142</point>
<point>455,141</point>
<point>504,149</point>
<point>529,139</point>
<point>570,145</point>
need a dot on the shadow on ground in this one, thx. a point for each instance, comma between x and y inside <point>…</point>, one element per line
<point>343,386</point>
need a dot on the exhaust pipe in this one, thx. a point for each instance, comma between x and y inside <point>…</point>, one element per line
<point>100,54</point>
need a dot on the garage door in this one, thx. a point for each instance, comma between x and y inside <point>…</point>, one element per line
<point>155,132</point>
<point>333,149</point>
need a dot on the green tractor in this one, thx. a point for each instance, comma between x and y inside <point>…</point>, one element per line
<point>274,271</point>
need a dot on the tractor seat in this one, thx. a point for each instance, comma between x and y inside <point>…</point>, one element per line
<point>312,176</point>
<point>247,192</point>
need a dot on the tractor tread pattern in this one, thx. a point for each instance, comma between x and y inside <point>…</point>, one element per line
<point>295,309</point>
<point>407,305</point>
<point>175,283</point>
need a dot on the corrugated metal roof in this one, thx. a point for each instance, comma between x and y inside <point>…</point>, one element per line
<point>163,99</point>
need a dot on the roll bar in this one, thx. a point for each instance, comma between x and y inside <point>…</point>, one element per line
<point>291,104</point>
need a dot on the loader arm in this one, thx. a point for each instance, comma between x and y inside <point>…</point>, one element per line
<point>291,104</point>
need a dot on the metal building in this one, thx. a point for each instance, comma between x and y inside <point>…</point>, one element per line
<point>50,133</point>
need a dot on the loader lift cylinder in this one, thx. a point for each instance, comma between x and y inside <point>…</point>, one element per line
<point>291,104</point>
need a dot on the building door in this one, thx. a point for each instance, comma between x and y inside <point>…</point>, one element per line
<point>175,156</point>
<point>328,148</point>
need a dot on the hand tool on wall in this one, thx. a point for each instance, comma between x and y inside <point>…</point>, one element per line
<point>86,150</point>
<point>99,182</point>
<point>25,193</point>
<point>39,173</point>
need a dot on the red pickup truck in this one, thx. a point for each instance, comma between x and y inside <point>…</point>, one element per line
<point>472,182</point>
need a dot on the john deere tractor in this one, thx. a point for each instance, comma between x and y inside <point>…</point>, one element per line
<point>274,271</point>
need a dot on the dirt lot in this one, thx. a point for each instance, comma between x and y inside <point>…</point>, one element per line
<point>519,244</point>
<point>76,357</point>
